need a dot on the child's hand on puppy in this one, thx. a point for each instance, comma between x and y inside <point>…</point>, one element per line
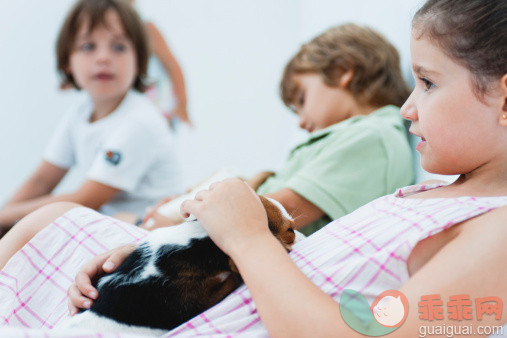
<point>81,292</point>
<point>230,212</point>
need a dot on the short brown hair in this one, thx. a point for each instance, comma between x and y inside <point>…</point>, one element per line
<point>377,78</point>
<point>94,11</point>
<point>471,32</point>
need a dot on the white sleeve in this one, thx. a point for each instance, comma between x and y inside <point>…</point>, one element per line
<point>60,150</point>
<point>125,157</point>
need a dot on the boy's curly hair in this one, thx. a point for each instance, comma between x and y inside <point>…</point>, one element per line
<point>377,78</point>
<point>94,12</point>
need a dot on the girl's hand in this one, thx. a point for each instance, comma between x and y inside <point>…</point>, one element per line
<point>230,212</point>
<point>81,292</point>
<point>182,113</point>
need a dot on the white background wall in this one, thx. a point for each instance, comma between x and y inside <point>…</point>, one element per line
<point>232,53</point>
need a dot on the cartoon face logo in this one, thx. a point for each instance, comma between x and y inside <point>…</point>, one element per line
<point>385,315</point>
<point>390,308</point>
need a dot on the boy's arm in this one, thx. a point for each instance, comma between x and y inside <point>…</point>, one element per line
<point>91,194</point>
<point>303,211</point>
<point>45,178</point>
<point>172,68</point>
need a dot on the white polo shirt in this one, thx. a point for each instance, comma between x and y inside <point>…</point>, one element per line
<point>131,149</point>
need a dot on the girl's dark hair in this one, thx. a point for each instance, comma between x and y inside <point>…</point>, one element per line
<point>377,79</point>
<point>94,11</point>
<point>472,32</point>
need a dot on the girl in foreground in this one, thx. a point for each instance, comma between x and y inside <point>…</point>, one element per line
<point>423,240</point>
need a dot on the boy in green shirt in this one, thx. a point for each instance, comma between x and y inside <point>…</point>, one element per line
<point>346,86</point>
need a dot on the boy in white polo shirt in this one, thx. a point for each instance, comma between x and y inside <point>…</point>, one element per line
<point>116,137</point>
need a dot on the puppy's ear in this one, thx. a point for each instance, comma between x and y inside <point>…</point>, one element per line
<point>280,225</point>
<point>233,266</point>
<point>287,238</point>
<point>274,214</point>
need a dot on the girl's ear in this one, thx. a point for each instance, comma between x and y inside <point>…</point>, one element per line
<point>345,79</point>
<point>503,93</point>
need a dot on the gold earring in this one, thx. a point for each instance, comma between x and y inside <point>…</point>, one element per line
<point>504,115</point>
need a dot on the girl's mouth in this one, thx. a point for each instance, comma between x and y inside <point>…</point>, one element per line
<point>421,144</point>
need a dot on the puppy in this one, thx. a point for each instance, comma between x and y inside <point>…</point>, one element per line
<point>177,273</point>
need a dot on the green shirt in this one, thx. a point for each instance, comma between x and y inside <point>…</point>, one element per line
<point>348,164</point>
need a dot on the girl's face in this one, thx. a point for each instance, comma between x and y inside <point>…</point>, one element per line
<point>459,133</point>
<point>103,61</point>
<point>317,104</point>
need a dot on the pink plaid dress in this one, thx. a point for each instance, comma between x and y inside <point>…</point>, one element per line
<point>366,251</point>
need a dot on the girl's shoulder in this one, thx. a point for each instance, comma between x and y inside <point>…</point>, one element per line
<point>437,189</point>
<point>488,227</point>
<point>416,189</point>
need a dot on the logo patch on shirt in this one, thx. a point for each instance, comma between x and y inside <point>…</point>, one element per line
<point>113,157</point>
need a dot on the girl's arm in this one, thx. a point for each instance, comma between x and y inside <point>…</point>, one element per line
<point>291,305</point>
<point>45,178</point>
<point>172,68</point>
<point>472,264</point>
<point>303,211</point>
<point>91,194</point>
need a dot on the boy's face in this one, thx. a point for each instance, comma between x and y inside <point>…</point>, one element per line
<point>318,105</point>
<point>103,61</point>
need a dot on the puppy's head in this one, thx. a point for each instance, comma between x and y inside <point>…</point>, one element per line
<point>280,224</point>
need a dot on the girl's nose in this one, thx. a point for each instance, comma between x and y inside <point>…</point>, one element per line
<point>408,110</point>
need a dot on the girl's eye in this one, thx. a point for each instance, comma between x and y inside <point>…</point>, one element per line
<point>87,47</point>
<point>427,83</point>
<point>119,47</point>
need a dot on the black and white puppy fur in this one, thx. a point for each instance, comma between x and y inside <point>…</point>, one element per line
<point>175,274</point>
